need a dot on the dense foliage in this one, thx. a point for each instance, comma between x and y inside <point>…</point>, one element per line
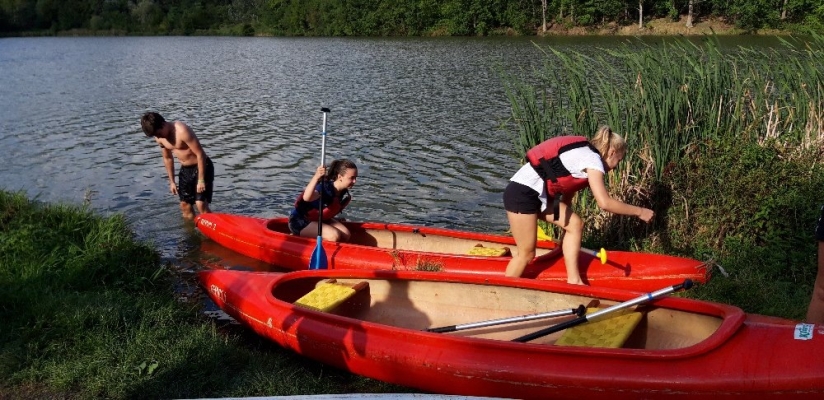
<point>385,17</point>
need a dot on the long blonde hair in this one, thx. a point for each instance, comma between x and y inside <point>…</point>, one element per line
<point>605,139</point>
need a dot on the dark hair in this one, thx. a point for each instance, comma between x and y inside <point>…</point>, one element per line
<point>338,168</point>
<point>151,122</point>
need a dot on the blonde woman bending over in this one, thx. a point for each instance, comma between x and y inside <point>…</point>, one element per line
<point>544,187</point>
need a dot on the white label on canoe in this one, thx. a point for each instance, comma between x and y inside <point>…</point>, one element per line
<point>803,332</point>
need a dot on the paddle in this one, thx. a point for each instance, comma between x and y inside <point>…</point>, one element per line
<point>601,254</point>
<point>581,310</point>
<point>318,260</point>
<point>602,314</point>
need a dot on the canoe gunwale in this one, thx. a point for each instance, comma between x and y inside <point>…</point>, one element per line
<point>732,317</point>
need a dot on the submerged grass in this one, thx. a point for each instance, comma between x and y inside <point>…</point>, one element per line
<point>88,312</point>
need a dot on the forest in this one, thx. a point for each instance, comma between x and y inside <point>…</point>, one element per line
<point>388,17</point>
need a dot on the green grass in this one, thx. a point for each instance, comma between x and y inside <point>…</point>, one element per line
<point>88,312</point>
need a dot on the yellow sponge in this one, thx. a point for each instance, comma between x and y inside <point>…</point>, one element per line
<point>610,332</point>
<point>489,251</point>
<point>325,297</point>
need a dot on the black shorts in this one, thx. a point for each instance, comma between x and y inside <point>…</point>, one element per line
<point>521,199</point>
<point>187,183</point>
<point>297,222</point>
<point>819,229</point>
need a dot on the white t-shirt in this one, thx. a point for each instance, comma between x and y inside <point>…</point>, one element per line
<point>576,161</point>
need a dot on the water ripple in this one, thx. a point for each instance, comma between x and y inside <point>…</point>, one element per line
<point>420,117</point>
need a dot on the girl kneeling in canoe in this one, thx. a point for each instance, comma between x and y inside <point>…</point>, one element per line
<point>544,187</point>
<point>303,220</point>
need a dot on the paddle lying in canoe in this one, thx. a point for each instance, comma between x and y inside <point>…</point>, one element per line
<point>375,246</point>
<point>674,348</point>
<point>605,313</point>
<point>600,254</point>
<point>579,311</point>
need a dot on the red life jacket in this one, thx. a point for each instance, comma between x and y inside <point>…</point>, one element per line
<point>544,158</point>
<point>334,202</point>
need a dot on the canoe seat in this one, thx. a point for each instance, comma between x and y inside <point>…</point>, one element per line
<point>480,250</point>
<point>610,332</point>
<point>328,295</point>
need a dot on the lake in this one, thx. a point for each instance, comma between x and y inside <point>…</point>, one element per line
<point>421,117</point>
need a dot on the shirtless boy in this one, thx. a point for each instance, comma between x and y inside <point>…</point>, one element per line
<point>197,174</point>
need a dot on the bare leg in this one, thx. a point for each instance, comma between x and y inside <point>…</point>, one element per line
<point>524,228</point>
<point>815,313</point>
<point>202,207</point>
<point>343,233</point>
<point>330,233</point>
<point>187,210</point>
<point>571,241</point>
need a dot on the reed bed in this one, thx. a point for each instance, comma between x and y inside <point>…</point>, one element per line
<point>666,98</point>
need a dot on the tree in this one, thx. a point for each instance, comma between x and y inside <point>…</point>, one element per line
<point>689,14</point>
<point>543,16</point>
<point>640,14</point>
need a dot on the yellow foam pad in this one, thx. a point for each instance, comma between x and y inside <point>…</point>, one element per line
<point>325,297</point>
<point>609,332</point>
<point>488,251</point>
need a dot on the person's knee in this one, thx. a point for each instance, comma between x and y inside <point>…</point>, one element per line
<point>527,255</point>
<point>574,227</point>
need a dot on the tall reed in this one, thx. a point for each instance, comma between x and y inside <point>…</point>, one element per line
<point>666,97</point>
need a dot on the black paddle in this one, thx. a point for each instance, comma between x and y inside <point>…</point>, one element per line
<point>579,311</point>
<point>599,315</point>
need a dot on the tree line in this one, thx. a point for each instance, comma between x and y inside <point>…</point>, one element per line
<point>388,17</point>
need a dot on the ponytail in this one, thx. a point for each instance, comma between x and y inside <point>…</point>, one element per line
<point>605,139</point>
<point>338,168</point>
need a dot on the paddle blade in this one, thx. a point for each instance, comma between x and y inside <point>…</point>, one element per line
<point>318,260</point>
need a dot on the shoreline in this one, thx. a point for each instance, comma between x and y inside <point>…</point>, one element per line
<point>654,27</point>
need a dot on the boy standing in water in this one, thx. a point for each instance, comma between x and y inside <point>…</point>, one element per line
<point>197,174</point>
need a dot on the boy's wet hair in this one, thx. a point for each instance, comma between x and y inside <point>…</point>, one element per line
<point>151,122</point>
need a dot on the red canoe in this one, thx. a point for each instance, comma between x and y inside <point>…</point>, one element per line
<point>678,347</point>
<point>404,247</point>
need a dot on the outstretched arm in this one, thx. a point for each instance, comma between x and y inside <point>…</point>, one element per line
<point>607,203</point>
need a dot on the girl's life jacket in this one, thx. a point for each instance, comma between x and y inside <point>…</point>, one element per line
<point>333,202</point>
<point>544,159</point>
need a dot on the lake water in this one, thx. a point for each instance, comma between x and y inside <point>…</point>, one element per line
<point>420,117</point>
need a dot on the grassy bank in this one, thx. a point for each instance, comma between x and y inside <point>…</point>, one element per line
<point>88,312</point>
<point>726,147</point>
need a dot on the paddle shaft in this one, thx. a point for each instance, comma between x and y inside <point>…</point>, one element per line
<point>318,260</point>
<point>581,310</point>
<point>601,314</point>
<point>322,178</point>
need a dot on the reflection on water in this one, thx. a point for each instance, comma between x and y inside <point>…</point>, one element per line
<point>420,117</point>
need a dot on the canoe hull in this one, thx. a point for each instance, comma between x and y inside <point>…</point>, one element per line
<point>408,247</point>
<point>744,355</point>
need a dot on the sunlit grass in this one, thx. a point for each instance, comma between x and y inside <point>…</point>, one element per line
<point>88,312</point>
